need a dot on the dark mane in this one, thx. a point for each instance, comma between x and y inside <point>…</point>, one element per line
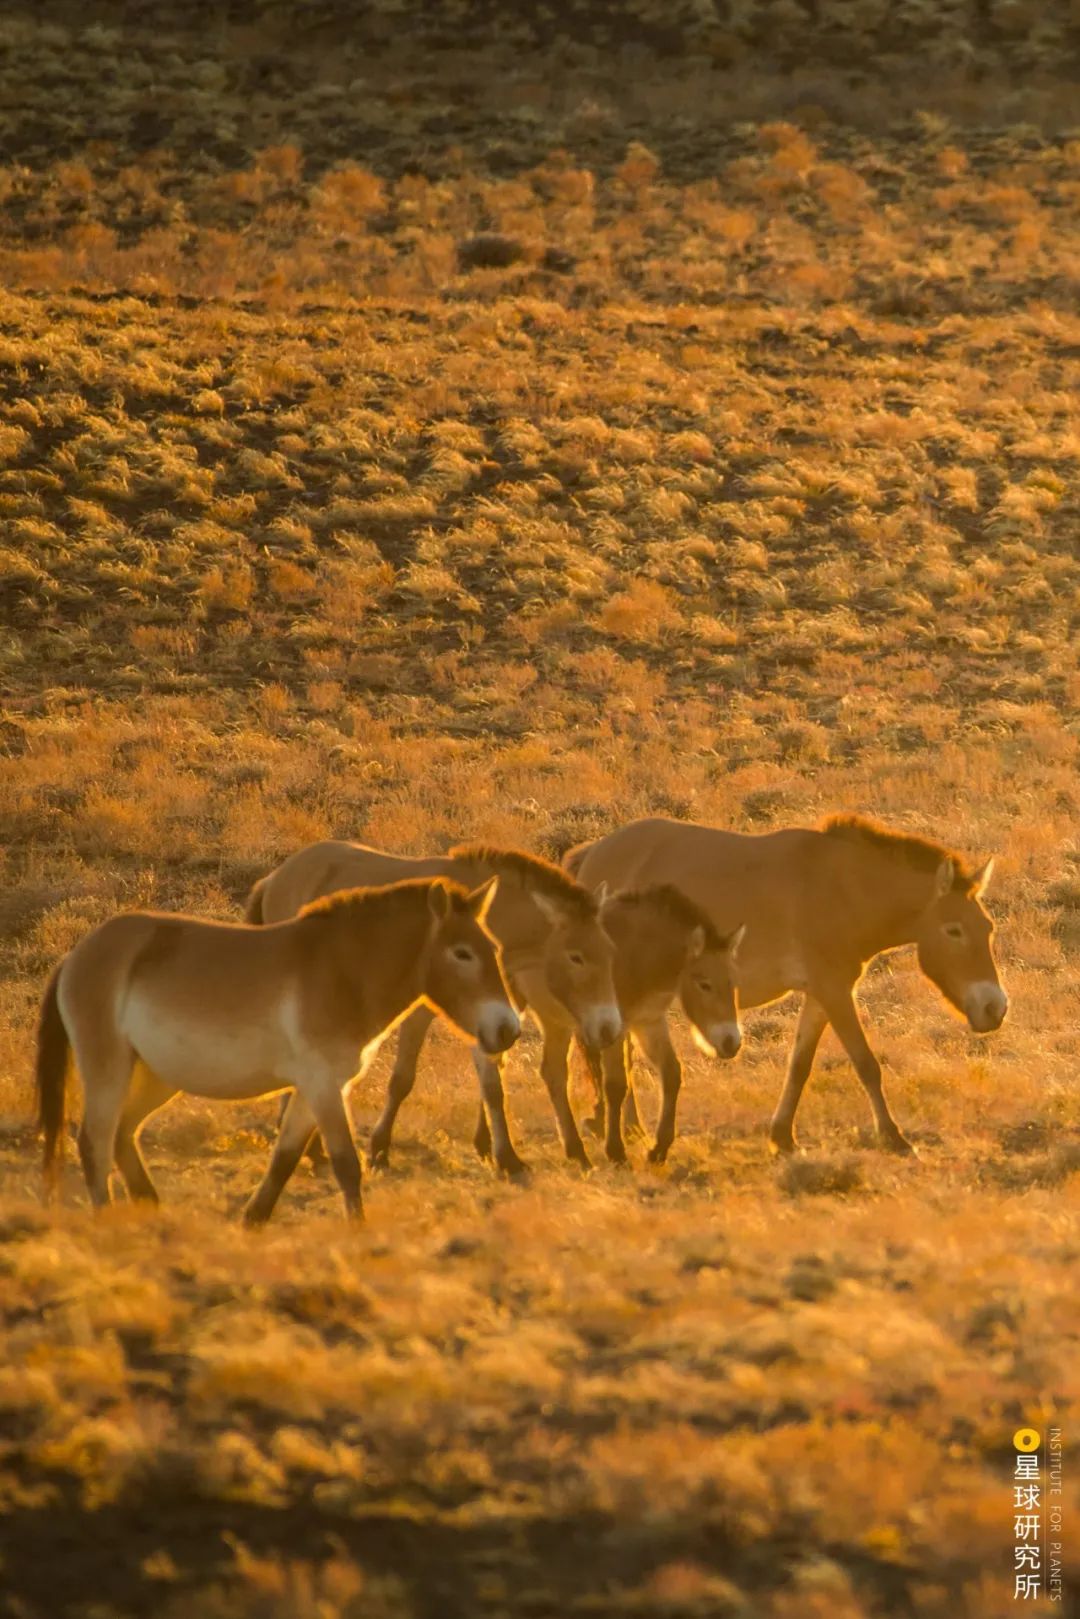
<point>385,897</point>
<point>921,853</point>
<point>673,903</point>
<point>532,872</point>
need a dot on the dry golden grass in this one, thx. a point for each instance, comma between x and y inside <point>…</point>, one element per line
<point>606,461</point>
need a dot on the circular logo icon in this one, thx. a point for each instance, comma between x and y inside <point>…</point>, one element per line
<point>1026,1439</point>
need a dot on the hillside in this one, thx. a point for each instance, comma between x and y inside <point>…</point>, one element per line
<point>422,423</point>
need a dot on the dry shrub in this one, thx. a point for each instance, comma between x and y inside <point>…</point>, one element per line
<point>489,251</point>
<point>819,1176</point>
<point>288,581</point>
<point>644,612</point>
<point>229,587</point>
<point>348,195</point>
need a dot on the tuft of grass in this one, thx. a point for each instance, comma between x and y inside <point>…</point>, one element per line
<point>819,1176</point>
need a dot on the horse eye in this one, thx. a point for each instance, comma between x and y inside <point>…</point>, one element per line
<point>575,958</point>
<point>463,954</point>
<point>704,985</point>
<point>953,930</point>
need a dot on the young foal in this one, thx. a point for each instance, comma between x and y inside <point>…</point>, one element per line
<point>821,905</point>
<point>152,1004</point>
<point>665,948</point>
<point>663,945</point>
<point>556,956</point>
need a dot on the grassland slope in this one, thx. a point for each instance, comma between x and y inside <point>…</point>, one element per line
<point>426,443</point>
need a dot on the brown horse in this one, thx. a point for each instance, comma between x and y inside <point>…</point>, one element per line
<point>664,946</point>
<point>820,905</point>
<point>153,1004</point>
<point>556,956</point>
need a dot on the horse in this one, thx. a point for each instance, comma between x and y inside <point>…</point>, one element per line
<point>666,948</point>
<point>556,955</point>
<point>151,1004</point>
<point>821,904</point>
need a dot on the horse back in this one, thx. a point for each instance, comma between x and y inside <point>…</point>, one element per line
<point>771,882</point>
<point>327,867</point>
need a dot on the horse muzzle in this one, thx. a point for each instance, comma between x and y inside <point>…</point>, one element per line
<point>497,1028</point>
<point>602,1026</point>
<point>726,1039</point>
<point>985,1006</point>
<point>718,1040</point>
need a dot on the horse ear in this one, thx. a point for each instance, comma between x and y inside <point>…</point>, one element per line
<point>734,940</point>
<point>601,894</point>
<point>982,878</point>
<point>439,901</point>
<point>696,943</point>
<point>944,878</point>
<point>481,899</point>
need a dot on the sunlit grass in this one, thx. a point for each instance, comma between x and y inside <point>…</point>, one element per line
<point>711,468</point>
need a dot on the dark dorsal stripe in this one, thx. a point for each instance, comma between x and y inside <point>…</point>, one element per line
<point>531,871</point>
<point>923,854</point>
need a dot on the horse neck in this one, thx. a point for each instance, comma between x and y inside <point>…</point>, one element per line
<point>649,950</point>
<point>513,918</point>
<point>383,963</point>
<point>893,896</point>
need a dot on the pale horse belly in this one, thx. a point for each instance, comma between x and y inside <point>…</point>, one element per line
<point>227,1055</point>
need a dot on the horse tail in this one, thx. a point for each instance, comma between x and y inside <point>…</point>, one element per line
<point>573,857</point>
<point>53,1049</point>
<point>253,910</point>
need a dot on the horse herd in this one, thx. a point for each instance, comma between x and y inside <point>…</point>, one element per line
<point>342,944</point>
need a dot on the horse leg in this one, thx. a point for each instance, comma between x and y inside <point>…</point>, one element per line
<point>489,1073</point>
<point>655,1041</point>
<point>328,1105</point>
<point>615,1089</point>
<point>106,1075</point>
<point>297,1129</point>
<point>482,1134</point>
<point>145,1097</point>
<point>812,1025</point>
<point>411,1037</point>
<point>631,1118</point>
<point>315,1153</point>
<point>845,1020</point>
<point>553,1068</point>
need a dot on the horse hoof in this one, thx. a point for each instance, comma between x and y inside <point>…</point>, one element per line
<point>899,1145</point>
<point>517,1170</point>
<point>378,1158</point>
<point>658,1155</point>
<point>784,1145</point>
<point>617,1157</point>
<point>581,1158</point>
